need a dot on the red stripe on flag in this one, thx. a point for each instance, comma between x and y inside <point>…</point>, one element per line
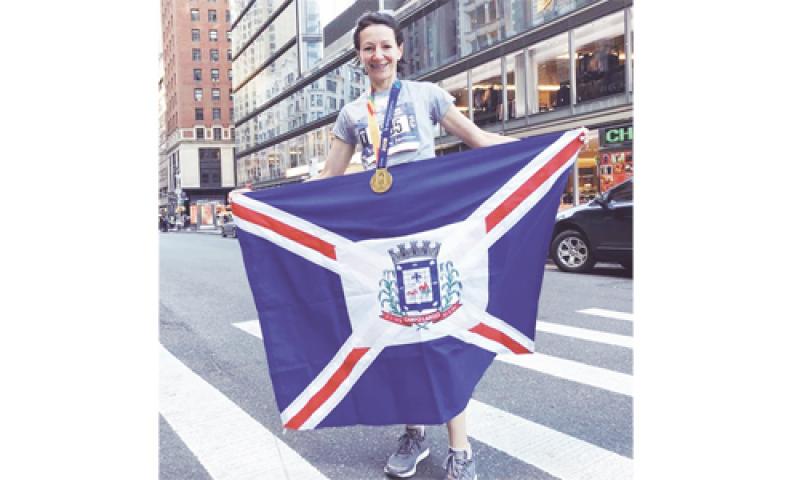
<point>299,236</point>
<point>493,334</point>
<point>530,185</point>
<point>327,390</point>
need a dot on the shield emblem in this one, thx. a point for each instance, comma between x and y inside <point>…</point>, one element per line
<point>417,274</point>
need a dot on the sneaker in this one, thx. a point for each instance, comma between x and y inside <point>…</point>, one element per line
<point>459,467</point>
<point>413,449</point>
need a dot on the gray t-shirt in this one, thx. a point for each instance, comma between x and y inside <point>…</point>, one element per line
<point>420,105</point>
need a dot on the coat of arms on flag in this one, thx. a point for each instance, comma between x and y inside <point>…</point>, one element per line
<point>388,309</point>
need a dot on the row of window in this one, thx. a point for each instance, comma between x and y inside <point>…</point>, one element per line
<point>215,94</point>
<point>200,133</point>
<point>213,55</point>
<point>212,35</point>
<point>216,113</point>
<point>194,13</point>
<point>198,74</point>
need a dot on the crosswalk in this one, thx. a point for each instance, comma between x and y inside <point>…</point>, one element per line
<point>230,444</point>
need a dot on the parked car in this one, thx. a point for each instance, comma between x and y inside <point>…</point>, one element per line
<point>598,231</point>
<point>228,226</point>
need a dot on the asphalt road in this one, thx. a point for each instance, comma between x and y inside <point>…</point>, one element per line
<point>566,413</point>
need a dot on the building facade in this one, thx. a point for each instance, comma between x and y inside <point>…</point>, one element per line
<point>515,67</point>
<point>163,183</point>
<point>198,149</point>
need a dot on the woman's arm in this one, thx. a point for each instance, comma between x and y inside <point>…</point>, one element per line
<point>462,127</point>
<point>338,158</point>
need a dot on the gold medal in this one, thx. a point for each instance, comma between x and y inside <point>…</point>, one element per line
<point>381,180</point>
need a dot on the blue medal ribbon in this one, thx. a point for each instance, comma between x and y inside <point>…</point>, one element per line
<point>386,131</point>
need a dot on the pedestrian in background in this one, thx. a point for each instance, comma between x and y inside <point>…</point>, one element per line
<point>419,106</point>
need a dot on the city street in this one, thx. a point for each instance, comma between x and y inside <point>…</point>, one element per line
<point>564,412</point>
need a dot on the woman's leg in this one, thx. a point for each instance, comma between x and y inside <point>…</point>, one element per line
<point>457,429</point>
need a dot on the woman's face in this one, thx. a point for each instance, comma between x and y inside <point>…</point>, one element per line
<point>379,53</point>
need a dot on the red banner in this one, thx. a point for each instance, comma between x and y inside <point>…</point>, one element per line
<point>409,320</point>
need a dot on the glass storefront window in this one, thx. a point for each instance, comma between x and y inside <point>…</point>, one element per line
<point>457,86</point>
<point>515,84</point>
<point>430,41</point>
<point>487,94</point>
<point>630,47</point>
<point>482,24</point>
<point>548,82</point>
<point>588,179</point>
<point>600,58</point>
<point>297,151</point>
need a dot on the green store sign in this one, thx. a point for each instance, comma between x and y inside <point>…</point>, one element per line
<point>616,135</point>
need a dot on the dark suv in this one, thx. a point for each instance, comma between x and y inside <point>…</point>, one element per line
<point>598,231</point>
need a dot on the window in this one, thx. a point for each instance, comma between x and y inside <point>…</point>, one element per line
<point>548,74</point>
<point>198,113</point>
<point>195,35</point>
<point>600,58</point>
<point>230,55</point>
<point>214,54</point>
<point>212,35</point>
<point>210,167</point>
<point>457,87</point>
<point>212,15</point>
<point>196,54</point>
<point>215,94</point>
<point>216,114</point>
<point>217,133</point>
<point>487,93</point>
<point>200,133</point>
<point>515,85</point>
<point>195,13</point>
<point>230,94</point>
<point>228,17</point>
<point>231,119</point>
<point>230,75</point>
<point>198,94</point>
<point>215,75</point>
<point>228,35</point>
<point>198,74</point>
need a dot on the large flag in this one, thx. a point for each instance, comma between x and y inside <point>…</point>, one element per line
<point>382,309</point>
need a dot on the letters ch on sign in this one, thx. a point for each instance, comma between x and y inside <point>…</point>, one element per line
<point>618,135</point>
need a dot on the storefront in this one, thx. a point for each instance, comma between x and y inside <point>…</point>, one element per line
<point>605,161</point>
<point>205,206</point>
<point>615,156</point>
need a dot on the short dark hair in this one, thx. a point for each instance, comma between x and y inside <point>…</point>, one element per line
<point>376,18</point>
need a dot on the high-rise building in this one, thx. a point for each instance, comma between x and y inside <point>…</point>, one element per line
<point>163,176</point>
<point>197,54</point>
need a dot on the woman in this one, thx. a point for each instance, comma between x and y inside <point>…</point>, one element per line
<point>419,106</point>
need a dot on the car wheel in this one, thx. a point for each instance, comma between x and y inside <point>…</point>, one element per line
<point>570,252</point>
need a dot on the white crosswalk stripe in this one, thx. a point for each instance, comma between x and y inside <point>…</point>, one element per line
<point>574,371</point>
<point>602,312</point>
<point>558,454</point>
<point>585,334</point>
<point>228,442</point>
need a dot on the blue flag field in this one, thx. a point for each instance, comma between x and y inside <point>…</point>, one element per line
<point>380,309</point>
